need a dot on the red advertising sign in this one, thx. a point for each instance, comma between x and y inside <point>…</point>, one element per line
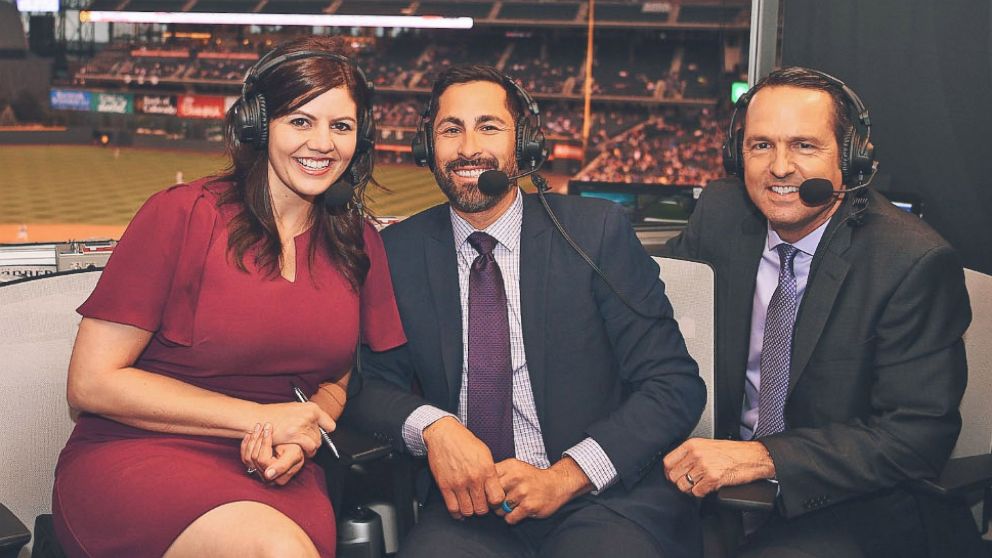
<point>160,53</point>
<point>228,55</point>
<point>567,151</point>
<point>201,106</point>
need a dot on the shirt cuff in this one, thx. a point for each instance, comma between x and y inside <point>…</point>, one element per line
<point>594,462</point>
<point>413,428</point>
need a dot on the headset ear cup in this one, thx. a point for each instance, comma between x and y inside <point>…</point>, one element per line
<point>520,149</point>
<point>253,121</point>
<point>862,156</point>
<point>262,125</point>
<point>536,147</point>
<point>366,134</point>
<point>421,148</point>
<point>733,162</point>
<point>846,156</point>
<point>729,164</point>
<point>739,154</point>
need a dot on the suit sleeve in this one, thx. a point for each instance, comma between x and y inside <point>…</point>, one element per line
<point>666,394</point>
<point>919,373</point>
<point>380,402</point>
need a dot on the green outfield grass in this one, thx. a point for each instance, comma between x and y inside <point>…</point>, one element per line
<point>101,186</point>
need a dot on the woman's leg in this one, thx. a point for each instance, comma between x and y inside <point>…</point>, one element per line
<point>243,529</point>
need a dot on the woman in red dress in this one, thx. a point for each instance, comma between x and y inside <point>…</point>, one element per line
<point>220,296</point>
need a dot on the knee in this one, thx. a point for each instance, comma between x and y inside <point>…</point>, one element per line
<point>293,543</point>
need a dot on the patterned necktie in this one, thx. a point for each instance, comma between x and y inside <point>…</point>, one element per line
<point>490,385</point>
<point>776,350</point>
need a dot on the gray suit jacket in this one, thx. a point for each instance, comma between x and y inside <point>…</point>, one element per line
<point>878,365</point>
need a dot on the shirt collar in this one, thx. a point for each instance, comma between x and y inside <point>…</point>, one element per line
<point>806,244</point>
<point>506,229</point>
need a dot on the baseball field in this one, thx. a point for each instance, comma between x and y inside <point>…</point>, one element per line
<point>54,193</point>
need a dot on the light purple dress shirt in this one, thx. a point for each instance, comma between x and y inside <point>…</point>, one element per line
<point>767,282</point>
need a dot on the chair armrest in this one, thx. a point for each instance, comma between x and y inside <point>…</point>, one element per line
<point>960,476</point>
<point>358,447</point>
<point>755,496</point>
<point>13,533</point>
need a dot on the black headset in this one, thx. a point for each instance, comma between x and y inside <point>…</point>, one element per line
<point>251,116</point>
<point>857,154</point>
<point>530,148</point>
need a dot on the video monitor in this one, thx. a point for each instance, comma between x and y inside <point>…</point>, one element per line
<point>647,205</point>
<point>908,202</point>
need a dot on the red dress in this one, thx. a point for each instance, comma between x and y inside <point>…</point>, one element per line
<point>124,491</point>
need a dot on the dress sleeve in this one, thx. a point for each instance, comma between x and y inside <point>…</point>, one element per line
<point>134,286</point>
<point>381,327</point>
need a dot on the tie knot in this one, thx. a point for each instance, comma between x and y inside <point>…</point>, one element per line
<point>786,254</point>
<point>482,242</point>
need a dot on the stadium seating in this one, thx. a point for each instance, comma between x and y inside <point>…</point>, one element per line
<point>224,6</point>
<point>631,12</point>
<point>477,10</point>
<point>548,61</point>
<point>155,5</point>
<point>716,13</point>
<point>373,7</point>
<point>539,11</point>
<point>295,6</point>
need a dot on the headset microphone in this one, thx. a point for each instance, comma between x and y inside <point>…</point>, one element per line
<point>818,191</point>
<point>494,182</point>
<point>339,194</point>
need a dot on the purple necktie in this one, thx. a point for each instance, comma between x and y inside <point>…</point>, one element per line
<point>776,349</point>
<point>490,385</point>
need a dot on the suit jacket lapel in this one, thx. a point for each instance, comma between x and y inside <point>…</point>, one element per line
<point>745,256</point>
<point>535,248</point>
<point>442,278</point>
<point>827,273</point>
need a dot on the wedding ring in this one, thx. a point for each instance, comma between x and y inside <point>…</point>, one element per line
<point>507,506</point>
<point>251,470</point>
<point>692,481</point>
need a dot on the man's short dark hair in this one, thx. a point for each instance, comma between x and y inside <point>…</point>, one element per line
<point>468,73</point>
<point>796,76</point>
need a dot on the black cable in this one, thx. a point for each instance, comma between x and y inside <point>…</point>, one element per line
<point>542,187</point>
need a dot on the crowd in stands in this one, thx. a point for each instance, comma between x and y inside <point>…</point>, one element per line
<point>649,145</point>
<point>631,142</point>
<point>678,146</point>
<point>544,65</point>
<point>220,69</point>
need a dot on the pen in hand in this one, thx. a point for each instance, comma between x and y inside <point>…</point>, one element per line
<point>302,398</point>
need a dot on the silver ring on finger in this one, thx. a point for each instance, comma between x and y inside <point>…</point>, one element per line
<point>690,480</point>
<point>251,471</point>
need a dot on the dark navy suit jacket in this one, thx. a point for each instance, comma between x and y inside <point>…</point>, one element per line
<point>596,368</point>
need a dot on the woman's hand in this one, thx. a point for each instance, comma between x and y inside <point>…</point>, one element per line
<point>275,465</point>
<point>296,423</point>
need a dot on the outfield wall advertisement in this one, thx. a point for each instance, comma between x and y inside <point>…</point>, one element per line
<point>117,103</point>
<point>68,99</point>
<point>156,104</point>
<point>212,107</point>
<point>201,106</point>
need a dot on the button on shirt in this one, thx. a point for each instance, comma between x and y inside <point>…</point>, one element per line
<point>528,441</point>
<point>767,282</point>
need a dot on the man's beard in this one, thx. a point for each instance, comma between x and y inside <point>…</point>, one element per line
<point>468,198</point>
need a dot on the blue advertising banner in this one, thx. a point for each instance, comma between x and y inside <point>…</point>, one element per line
<point>69,99</point>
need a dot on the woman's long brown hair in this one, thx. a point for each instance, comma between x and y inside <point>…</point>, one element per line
<point>338,231</point>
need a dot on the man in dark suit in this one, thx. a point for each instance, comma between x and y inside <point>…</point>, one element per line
<point>545,408</point>
<point>840,364</point>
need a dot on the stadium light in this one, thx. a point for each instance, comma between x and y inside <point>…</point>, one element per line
<point>308,20</point>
